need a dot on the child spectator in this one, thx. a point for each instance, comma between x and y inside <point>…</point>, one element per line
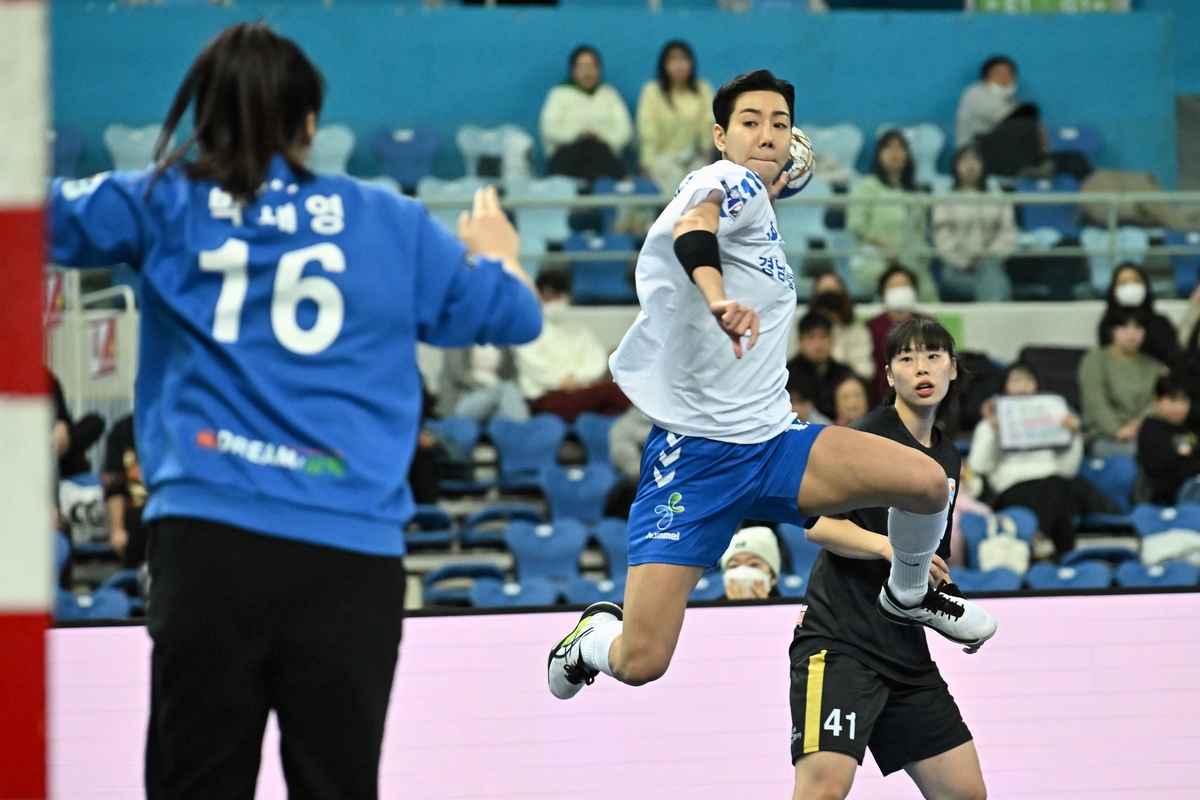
<point>1116,385</point>
<point>851,399</point>
<point>1130,288</point>
<point>974,240</point>
<point>851,339</point>
<point>674,119</point>
<point>1168,446</point>
<point>882,231</point>
<point>816,341</point>
<point>584,123</point>
<point>898,289</point>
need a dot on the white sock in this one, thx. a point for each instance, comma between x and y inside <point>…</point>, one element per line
<point>914,539</point>
<point>595,647</point>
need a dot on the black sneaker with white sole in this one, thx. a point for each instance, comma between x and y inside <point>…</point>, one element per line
<point>944,610</point>
<point>566,672</point>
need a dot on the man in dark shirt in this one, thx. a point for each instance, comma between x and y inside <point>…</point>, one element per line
<point>124,494</point>
<point>813,360</point>
<point>1168,446</point>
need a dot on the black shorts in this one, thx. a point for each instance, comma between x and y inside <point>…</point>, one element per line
<point>840,705</point>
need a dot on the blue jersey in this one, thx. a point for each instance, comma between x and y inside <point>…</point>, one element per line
<point>277,388</point>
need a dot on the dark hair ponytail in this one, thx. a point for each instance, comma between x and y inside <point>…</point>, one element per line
<point>252,91</point>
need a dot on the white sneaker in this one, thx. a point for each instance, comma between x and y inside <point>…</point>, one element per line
<point>946,611</point>
<point>566,672</point>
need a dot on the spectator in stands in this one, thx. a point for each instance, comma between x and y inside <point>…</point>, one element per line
<point>480,382</point>
<point>424,471</point>
<point>1043,480</point>
<point>898,289</point>
<point>72,438</point>
<point>1116,385</point>
<point>626,440</point>
<point>565,370</point>
<point>802,389</point>
<point>1168,444</point>
<point>883,231</point>
<point>1187,325</point>
<point>851,339</point>
<point>816,342</point>
<point>674,119</point>
<point>851,399</point>
<point>751,564</point>
<point>584,123</point>
<point>1186,368</point>
<point>1008,133</point>
<point>124,494</point>
<point>1130,288</point>
<point>973,241</point>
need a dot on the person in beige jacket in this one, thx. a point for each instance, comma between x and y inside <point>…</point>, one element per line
<point>585,124</point>
<point>974,240</point>
<point>674,119</point>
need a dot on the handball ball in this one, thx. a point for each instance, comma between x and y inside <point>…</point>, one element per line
<point>799,167</point>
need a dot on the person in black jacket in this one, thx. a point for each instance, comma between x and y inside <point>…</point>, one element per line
<point>1168,444</point>
<point>1130,288</point>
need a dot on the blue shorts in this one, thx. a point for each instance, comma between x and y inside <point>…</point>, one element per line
<point>694,492</point>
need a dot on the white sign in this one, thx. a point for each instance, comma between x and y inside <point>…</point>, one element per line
<point>1032,422</point>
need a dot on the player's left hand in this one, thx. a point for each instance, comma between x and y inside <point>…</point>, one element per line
<point>939,573</point>
<point>737,321</point>
<point>777,185</point>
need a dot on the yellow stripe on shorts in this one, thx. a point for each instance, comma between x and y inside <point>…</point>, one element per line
<point>812,703</point>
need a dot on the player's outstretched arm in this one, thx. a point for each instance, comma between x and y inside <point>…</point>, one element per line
<point>696,247</point>
<point>842,537</point>
<point>486,231</point>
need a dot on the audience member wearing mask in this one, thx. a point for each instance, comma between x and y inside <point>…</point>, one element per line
<point>565,370</point>
<point>816,342</point>
<point>1044,480</point>
<point>674,119</point>
<point>1130,288</point>
<point>851,339</point>
<point>802,391</point>
<point>1116,385</point>
<point>480,382</point>
<point>898,288</point>
<point>1007,132</point>
<point>585,124</point>
<point>883,231</point>
<point>750,566</point>
<point>851,399</point>
<point>1168,444</point>
<point>973,241</point>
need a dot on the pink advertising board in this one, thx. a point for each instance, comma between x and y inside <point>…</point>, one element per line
<point>1093,697</point>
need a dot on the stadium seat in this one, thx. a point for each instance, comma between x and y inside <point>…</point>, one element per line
<point>492,593</point>
<point>1110,554</point>
<point>331,150</point>
<point>584,591</point>
<point>385,182</point>
<point>539,226</point>
<point>837,148</point>
<point>577,492</point>
<point>406,154</point>
<point>127,581</point>
<point>503,153</point>
<point>1186,268</point>
<point>1131,245</point>
<point>100,604</point>
<point>461,192</point>
<point>68,150</point>
<point>801,553</point>
<point>1114,476</point>
<point>1149,520</point>
<point>799,225</point>
<point>710,587</point>
<point>486,526</point>
<point>132,148</point>
<point>526,448</point>
<point>1085,139</point>
<point>1000,579</point>
<point>430,526</point>
<point>62,554</point>
<point>1171,573</point>
<point>460,594</point>
<point>1017,519</point>
<point>605,185</point>
<point>600,282</point>
<point>1057,369</point>
<point>1084,575</point>
<point>1060,217</point>
<point>792,585</point>
<point>546,549</point>
<point>464,432</point>
<point>592,430</point>
<point>613,537</point>
<point>926,141</point>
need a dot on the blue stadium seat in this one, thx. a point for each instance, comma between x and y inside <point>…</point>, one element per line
<point>1148,519</point>
<point>605,185</point>
<point>406,154</point>
<point>710,587</point>
<point>331,149</point>
<point>592,430</point>
<point>492,593</point>
<point>584,591</point>
<point>486,526</point>
<point>1109,554</point>
<point>802,553</point>
<point>68,150</point>
<point>578,492</point>
<point>430,526</point>
<point>1085,139</point>
<point>127,581</point>
<point>100,604</point>
<point>1060,217</point>
<point>1172,573</point>
<point>459,594</point>
<point>1113,475</point>
<point>800,224</point>
<point>62,553</point>
<point>975,528</point>
<point>1000,579</point>
<point>495,154</point>
<point>600,282</point>
<point>541,225</point>
<point>1131,245</point>
<point>613,537</point>
<point>132,148</point>
<point>792,585</point>
<point>526,448</point>
<point>839,145</point>
<point>546,549</point>
<point>1084,575</point>
<point>1186,268</point>
<point>464,432</point>
<point>460,191</point>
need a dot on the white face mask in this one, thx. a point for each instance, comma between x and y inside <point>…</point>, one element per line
<point>747,576</point>
<point>1003,91</point>
<point>555,309</point>
<point>900,298</point>
<point>1130,295</point>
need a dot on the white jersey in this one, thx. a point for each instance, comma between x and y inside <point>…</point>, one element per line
<point>675,363</point>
